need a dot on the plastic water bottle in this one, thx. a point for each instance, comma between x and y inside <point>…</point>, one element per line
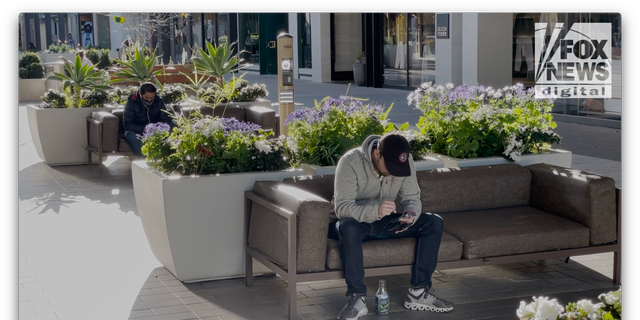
<point>382,299</point>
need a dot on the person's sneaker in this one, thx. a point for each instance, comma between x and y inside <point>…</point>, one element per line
<point>355,308</point>
<point>427,301</point>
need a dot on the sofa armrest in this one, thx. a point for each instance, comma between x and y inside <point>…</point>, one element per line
<point>262,116</point>
<point>585,197</point>
<point>110,125</point>
<point>268,230</point>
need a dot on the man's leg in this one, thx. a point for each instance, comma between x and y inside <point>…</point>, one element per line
<point>134,142</point>
<point>428,229</point>
<point>351,234</point>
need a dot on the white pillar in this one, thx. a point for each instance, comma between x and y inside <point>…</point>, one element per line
<point>321,47</point>
<point>293,31</point>
<point>449,53</point>
<point>487,42</point>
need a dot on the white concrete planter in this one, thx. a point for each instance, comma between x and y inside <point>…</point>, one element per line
<point>427,163</point>
<point>60,135</point>
<point>31,89</point>
<point>556,157</point>
<point>56,57</point>
<point>195,225</point>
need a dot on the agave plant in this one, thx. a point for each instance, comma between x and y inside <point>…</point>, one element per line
<point>218,61</point>
<point>137,68</point>
<point>81,77</point>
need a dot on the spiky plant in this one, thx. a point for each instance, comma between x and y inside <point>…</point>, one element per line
<point>137,68</point>
<point>218,61</point>
<point>81,77</point>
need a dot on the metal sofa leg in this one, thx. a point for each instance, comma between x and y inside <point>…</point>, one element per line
<point>617,267</point>
<point>248,270</point>
<point>293,299</point>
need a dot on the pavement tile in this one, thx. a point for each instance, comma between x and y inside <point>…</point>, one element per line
<point>141,313</point>
<point>171,310</point>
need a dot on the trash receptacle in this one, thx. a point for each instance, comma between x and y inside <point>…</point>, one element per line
<point>49,69</point>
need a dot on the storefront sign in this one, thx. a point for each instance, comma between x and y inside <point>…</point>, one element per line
<point>442,26</point>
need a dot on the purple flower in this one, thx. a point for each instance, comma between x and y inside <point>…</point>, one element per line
<point>152,129</point>
<point>231,124</point>
<point>344,104</point>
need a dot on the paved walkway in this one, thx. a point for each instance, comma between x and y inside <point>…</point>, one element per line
<point>83,255</point>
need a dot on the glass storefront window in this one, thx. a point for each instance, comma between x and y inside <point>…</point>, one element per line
<point>394,49</point>
<point>248,39</point>
<point>197,38</point>
<point>209,27</point>
<point>422,48</point>
<point>304,33</point>
<point>524,48</point>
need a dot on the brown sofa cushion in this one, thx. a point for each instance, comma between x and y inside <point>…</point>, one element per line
<point>120,114</point>
<point>320,185</point>
<point>393,252</point>
<point>584,197</point>
<point>515,230</point>
<point>124,146</point>
<point>474,188</point>
<point>268,230</point>
<point>110,127</point>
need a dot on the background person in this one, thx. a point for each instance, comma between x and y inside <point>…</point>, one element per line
<point>142,108</point>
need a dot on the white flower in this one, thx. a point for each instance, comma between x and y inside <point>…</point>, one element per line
<point>425,85</point>
<point>610,298</point>
<point>526,311</point>
<point>548,309</point>
<point>449,86</point>
<point>410,135</point>
<point>508,96</point>
<point>590,308</point>
<point>263,146</point>
<point>292,143</point>
<point>497,94</point>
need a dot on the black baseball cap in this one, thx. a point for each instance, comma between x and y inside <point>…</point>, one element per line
<point>394,149</point>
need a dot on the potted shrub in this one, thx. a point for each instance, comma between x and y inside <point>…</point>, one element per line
<point>58,125</point>
<point>31,72</point>
<point>319,136</point>
<point>477,125</point>
<point>190,192</point>
<point>359,70</point>
<point>137,69</point>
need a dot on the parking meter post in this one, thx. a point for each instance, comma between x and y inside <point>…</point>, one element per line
<point>285,79</point>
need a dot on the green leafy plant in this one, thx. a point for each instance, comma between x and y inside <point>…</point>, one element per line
<point>173,94</point>
<point>217,61</point>
<point>60,48</point>
<point>30,66</point>
<point>120,94</point>
<point>543,308</point>
<point>236,90</point>
<point>96,99</point>
<point>54,99</point>
<point>93,55</point>
<point>321,135</point>
<point>80,77</point>
<point>105,61</point>
<point>478,121</point>
<point>138,68</point>
<point>205,145</point>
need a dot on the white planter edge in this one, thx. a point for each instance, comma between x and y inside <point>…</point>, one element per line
<point>195,225</point>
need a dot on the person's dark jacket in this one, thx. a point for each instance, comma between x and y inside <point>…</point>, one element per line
<point>137,116</point>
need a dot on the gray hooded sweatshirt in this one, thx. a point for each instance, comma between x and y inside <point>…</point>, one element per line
<point>359,190</point>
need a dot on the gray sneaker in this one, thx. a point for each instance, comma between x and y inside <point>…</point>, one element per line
<point>355,308</point>
<point>427,301</point>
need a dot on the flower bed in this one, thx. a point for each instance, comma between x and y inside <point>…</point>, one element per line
<point>543,308</point>
<point>478,121</point>
<point>204,145</point>
<point>320,136</point>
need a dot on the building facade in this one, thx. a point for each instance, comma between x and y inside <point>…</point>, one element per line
<point>401,49</point>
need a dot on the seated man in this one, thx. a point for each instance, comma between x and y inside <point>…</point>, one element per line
<point>368,180</point>
<point>142,108</point>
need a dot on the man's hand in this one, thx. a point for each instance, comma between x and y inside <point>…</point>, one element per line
<point>406,220</point>
<point>386,208</point>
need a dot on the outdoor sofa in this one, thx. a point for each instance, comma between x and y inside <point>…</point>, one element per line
<point>492,215</point>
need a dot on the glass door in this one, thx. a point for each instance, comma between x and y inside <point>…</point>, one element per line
<point>346,44</point>
<point>422,48</point>
<point>395,49</point>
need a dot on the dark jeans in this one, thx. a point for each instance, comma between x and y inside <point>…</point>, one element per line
<point>134,142</point>
<point>351,233</point>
